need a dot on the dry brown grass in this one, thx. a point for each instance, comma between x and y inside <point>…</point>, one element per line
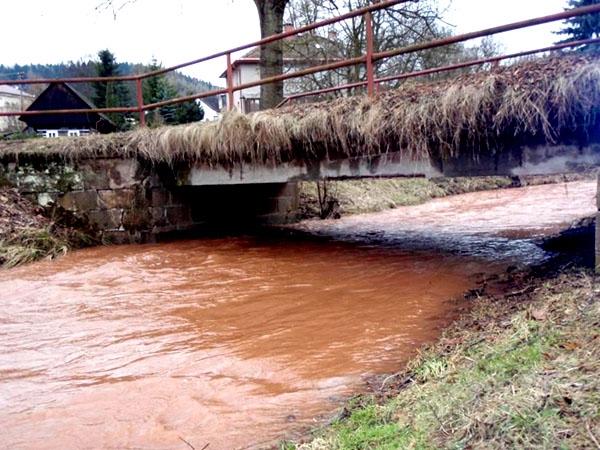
<point>27,235</point>
<point>541,101</point>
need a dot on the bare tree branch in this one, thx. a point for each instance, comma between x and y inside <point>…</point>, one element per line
<point>112,6</point>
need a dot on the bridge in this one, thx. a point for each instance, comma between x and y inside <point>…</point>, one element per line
<point>535,117</point>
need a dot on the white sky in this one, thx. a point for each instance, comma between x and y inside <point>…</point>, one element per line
<point>45,32</point>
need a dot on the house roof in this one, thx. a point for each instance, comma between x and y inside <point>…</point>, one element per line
<point>60,95</point>
<point>212,102</point>
<point>9,90</point>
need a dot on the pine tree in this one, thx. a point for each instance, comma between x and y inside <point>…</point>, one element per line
<point>581,27</point>
<point>157,89</point>
<point>110,94</point>
<point>188,112</point>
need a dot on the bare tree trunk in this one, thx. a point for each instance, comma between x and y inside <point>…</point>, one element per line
<point>270,13</point>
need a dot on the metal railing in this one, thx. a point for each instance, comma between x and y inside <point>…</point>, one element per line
<point>368,60</point>
<point>418,73</point>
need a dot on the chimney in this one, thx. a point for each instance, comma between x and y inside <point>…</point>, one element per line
<point>333,36</point>
<point>288,27</point>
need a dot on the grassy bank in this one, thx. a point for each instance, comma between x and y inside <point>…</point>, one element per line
<point>340,198</point>
<point>520,371</point>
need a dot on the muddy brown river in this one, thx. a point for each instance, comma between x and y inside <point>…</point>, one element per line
<point>238,342</point>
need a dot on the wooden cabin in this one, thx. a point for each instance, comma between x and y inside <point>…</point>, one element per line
<point>61,96</point>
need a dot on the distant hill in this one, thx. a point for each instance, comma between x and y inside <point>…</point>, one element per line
<point>184,84</point>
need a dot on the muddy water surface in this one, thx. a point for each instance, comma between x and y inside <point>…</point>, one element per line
<point>237,342</point>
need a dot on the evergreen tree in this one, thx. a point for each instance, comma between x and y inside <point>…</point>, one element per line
<point>188,112</point>
<point>157,89</point>
<point>581,27</point>
<point>110,94</point>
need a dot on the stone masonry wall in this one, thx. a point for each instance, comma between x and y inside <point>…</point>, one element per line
<point>125,201</point>
<point>122,200</point>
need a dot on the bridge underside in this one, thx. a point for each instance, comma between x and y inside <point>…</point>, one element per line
<point>540,160</point>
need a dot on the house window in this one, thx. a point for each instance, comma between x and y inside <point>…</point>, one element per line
<point>51,133</point>
<point>73,133</point>
<point>223,102</point>
<point>251,105</point>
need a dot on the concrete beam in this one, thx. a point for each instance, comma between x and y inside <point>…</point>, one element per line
<point>389,165</point>
<point>541,160</point>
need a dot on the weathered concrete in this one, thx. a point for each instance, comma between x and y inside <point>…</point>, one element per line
<point>540,160</point>
<point>127,200</point>
<point>390,165</point>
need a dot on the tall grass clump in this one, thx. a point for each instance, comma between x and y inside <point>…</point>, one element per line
<point>26,245</point>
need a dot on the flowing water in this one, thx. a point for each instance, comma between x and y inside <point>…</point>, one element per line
<point>238,342</point>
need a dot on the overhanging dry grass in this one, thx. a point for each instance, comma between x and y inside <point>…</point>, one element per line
<point>540,101</point>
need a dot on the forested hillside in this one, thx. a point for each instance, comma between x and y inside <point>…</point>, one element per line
<point>182,83</point>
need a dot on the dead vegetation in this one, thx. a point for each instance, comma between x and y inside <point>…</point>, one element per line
<point>547,100</point>
<point>28,234</point>
<point>337,198</point>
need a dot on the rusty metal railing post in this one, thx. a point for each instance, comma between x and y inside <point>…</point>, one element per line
<point>369,55</point>
<point>140,100</point>
<point>229,83</point>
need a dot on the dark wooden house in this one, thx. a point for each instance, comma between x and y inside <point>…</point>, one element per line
<point>61,96</point>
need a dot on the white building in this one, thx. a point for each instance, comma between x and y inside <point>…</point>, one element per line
<point>299,52</point>
<point>212,110</point>
<point>13,99</point>
<point>246,70</point>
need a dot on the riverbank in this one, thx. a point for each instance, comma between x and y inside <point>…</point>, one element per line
<point>28,233</point>
<point>520,370</point>
<point>529,335</point>
<point>333,199</point>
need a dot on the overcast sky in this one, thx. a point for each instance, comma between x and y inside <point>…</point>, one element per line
<point>175,31</point>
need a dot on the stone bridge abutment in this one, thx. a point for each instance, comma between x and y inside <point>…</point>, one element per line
<point>125,200</point>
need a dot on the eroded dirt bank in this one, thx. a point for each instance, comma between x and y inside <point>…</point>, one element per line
<point>28,232</point>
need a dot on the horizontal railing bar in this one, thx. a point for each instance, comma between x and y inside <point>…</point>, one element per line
<point>448,68</point>
<point>71,80</point>
<point>489,31</point>
<point>490,59</point>
<point>267,40</point>
<point>286,34</point>
<point>124,109</point>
